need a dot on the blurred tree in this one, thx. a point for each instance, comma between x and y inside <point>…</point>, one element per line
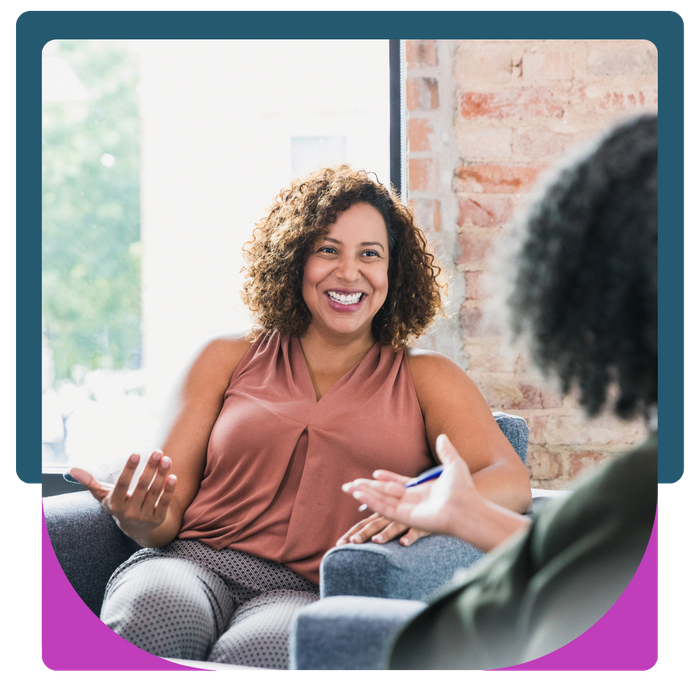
<point>91,256</point>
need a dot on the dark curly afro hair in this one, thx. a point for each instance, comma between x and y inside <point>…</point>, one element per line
<point>585,287</point>
<point>300,216</point>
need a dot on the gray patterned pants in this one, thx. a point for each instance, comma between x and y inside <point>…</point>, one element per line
<point>188,601</point>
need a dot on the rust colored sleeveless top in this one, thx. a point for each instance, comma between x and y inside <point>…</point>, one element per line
<point>277,457</point>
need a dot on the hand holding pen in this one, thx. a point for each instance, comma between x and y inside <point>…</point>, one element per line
<point>430,501</point>
<point>444,502</point>
<point>428,475</point>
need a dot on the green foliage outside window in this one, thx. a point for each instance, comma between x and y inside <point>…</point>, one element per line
<point>91,254</point>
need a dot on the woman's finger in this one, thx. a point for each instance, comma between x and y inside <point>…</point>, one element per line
<point>377,528</point>
<point>362,523</point>
<point>141,490</point>
<point>370,529</point>
<point>156,487</point>
<point>161,508</point>
<point>121,488</point>
<point>393,530</point>
<point>412,535</point>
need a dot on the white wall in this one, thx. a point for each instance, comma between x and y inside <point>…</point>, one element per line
<point>217,122</point>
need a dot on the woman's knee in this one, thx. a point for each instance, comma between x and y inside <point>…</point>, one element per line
<point>259,632</point>
<point>168,608</point>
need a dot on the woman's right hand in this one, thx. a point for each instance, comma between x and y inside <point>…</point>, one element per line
<point>139,513</point>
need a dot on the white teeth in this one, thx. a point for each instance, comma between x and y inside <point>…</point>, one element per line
<point>345,299</point>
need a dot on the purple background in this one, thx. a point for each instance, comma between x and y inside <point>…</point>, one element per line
<point>625,640</point>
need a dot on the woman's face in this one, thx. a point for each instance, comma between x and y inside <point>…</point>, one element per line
<point>346,278</point>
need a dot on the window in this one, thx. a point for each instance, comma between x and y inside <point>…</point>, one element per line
<point>159,158</point>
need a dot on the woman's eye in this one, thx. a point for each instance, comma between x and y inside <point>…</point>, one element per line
<point>326,249</point>
<point>371,253</point>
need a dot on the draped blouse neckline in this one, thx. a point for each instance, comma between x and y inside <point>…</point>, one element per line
<point>301,369</point>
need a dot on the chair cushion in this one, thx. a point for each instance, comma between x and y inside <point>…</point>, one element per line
<point>88,544</point>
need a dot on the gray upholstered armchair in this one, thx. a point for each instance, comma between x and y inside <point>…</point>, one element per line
<point>368,591</point>
<point>351,624</point>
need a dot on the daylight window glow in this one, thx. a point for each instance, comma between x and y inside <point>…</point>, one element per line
<point>116,330</point>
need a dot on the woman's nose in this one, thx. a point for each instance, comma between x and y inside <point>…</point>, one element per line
<point>348,269</point>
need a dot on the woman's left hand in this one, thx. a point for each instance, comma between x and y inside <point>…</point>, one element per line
<point>380,530</point>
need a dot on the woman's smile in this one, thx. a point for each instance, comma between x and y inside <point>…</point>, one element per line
<point>350,299</point>
<point>346,278</point>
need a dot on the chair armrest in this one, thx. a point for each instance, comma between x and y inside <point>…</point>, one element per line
<point>347,632</point>
<point>409,573</point>
<point>516,430</point>
<point>88,544</point>
<point>393,571</point>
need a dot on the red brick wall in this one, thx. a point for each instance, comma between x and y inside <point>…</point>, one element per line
<point>484,119</point>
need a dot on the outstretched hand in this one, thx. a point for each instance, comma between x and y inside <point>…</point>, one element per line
<point>433,506</point>
<point>139,512</point>
<point>449,505</point>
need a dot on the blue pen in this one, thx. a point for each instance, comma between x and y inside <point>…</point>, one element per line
<point>431,474</point>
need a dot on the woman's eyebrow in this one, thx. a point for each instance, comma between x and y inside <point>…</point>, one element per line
<point>337,242</point>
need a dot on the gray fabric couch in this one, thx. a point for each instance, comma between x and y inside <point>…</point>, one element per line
<point>353,622</point>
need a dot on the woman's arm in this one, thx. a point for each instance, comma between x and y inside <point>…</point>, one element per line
<point>452,405</point>
<point>152,513</point>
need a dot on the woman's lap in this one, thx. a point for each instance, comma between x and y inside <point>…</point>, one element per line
<point>187,600</point>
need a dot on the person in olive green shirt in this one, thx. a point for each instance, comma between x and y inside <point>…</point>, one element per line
<point>581,284</point>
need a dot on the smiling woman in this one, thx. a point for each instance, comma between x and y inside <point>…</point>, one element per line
<point>238,509</point>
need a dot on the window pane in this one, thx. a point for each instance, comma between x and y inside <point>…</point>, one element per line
<point>159,158</point>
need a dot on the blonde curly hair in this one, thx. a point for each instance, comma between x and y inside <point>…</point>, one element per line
<point>300,216</point>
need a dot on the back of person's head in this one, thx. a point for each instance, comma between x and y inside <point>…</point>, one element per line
<point>583,287</point>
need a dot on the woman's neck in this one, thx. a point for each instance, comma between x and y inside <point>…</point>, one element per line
<point>334,355</point>
<point>333,350</point>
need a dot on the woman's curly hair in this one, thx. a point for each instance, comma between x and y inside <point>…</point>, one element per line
<point>585,285</point>
<point>299,217</point>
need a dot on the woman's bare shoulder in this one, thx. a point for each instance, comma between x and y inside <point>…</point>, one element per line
<point>228,348</point>
<point>197,396</point>
<point>216,360</point>
<point>437,377</point>
<point>427,362</point>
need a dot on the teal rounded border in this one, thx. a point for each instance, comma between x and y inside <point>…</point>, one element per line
<point>663,29</point>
